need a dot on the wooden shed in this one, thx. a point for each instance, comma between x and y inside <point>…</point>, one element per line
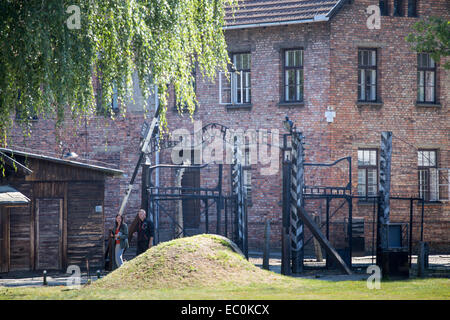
<point>63,224</point>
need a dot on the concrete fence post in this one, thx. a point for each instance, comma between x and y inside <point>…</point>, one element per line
<point>266,252</point>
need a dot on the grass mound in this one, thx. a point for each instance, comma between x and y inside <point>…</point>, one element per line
<point>198,261</point>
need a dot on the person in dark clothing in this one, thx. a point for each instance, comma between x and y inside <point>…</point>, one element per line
<point>146,232</point>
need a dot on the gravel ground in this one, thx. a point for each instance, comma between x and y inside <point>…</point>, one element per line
<point>438,264</point>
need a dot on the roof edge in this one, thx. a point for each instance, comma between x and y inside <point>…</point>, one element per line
<point>318,18</point>
<point>336,8</point>
<point>271,24</point>
<point>16,163</point>
<point>110,171</point>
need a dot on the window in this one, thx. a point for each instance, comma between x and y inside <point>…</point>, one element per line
<point>427,164</point>
<point>114,105</point>
<point>426,78</point>
<point>412,8</point>
<point>114,102</point>
<point>247,171</point>
<point>239,90</point>
<point>384,9</point>
<point>367,75</point>
<point>240,80</point>
<point>367,172</point>
<point>293,75</point>
<point>398,8</point>
<point>27,112</point>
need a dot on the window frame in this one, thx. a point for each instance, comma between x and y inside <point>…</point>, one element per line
<point>398,8</point>
<point>412,9</point>
<point>19,115</point>
<point>234,87</point>
<point>427,191</point>
<point>366,169</point>
<point>363,67</point>
<point>425,70</point>
<point>384,7</point>
<point>301,68</point>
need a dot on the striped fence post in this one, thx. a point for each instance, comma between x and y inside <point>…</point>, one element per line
<point>297,183</point>
<point>239,193</point>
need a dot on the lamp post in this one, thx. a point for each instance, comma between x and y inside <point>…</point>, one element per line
<point>68,154</point>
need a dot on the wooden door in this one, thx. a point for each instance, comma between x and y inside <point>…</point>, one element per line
<point>4,240</point>
<point>19,238</point>
<point>191,208</point>
<point>48,217</point>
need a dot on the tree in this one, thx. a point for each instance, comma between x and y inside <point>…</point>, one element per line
<point>51,50</point>
<point>432,36</point>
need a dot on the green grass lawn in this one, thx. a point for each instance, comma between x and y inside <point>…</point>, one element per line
<point>287,289</point>
<point>207,267</point>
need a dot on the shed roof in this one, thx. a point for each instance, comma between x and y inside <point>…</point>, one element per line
<point>9,195</point>
<point>15,164</point>
<point>106,170</point>
<point>260,13</point>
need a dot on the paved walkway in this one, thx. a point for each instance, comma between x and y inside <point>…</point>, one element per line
<point>34,279</point>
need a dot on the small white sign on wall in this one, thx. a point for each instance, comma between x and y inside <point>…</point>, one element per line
<point>98,209</point>
<point>330,114</point>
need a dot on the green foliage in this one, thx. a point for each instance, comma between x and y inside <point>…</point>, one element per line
<point>47,68</point>
<point>432,36</point>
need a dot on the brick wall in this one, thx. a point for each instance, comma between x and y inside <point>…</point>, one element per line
<point>330,66</point>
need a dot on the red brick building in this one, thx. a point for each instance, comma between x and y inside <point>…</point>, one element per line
<point>341,79</point>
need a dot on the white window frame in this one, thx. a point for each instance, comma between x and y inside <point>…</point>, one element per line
<point>231,77</point>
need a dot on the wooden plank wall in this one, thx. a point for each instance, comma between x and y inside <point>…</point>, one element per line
<point>49,233</point>
<point>20,228</point>
<point>85,235</point>
<point>82,229</point>
<point>50,171</point>
<point>4,239</point>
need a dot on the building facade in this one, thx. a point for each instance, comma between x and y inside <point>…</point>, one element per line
<point>342,79</point>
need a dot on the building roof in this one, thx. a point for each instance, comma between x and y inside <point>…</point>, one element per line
<point>9,195</point>
<point>109,171</point>
<point>14,164</point>
<point>260,13</point>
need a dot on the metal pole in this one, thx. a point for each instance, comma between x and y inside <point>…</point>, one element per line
<point>144,186</point>
<point>373,229</point>
<point>328,219</point>
<point>327,230</point>
<point>350,229</point>
<point>226,217</point>
<point>266,252</point>
<point>411,204</point>
<point>421,224</point>
<point>206,216</point>
<point>219,201</point>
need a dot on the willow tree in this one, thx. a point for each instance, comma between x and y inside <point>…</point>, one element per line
<point>52,49</point>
